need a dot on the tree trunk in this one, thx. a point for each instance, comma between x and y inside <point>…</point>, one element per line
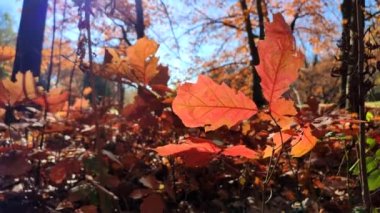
<point>360,5</point>
<point>258,97</point>
<point>30,37</point>
<point>353,94</point>
<point>259,7</point>
<point>139,25</point>
<point>345,50</point>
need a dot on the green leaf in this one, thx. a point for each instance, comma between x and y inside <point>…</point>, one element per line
<point>94,166</point>
<point>369,116</point>
<point>85,193</point>
<point>374,180</point>
<point>371,142</point>
<point>371,164</point>
<point>377,154</point>
<point>358,209</point>
<point>355,168</point>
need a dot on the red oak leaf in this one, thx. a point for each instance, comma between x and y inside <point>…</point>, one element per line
<point>279,59</point>
<point>240,150</point>
<point>304,143</point>
<point>209,104</point>
<point>193,151</point>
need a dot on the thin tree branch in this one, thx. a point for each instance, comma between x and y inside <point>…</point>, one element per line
<point>171,26</point>
<point>50,69</point>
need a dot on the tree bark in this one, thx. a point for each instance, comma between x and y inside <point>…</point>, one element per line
<point>360,6</point>
<point>258,97</point>
<point>353,95</point>
<point>345,50</point>
<point>259,7</point>
<point>139,25</point>
<point>30,37</point>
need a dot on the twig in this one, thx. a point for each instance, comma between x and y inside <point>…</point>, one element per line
<point>91,180</point>
<point>171,26</point>
<point>91,75</point>
<point>50,70</point>
<point>60,42</point>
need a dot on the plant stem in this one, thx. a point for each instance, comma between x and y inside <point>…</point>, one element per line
<point>360,4</point>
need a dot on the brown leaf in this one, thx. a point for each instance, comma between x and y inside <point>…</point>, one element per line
<point>162,77</point>
<point>152,204</point>
<point>14,163</point>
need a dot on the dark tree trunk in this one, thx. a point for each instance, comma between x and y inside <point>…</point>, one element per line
<point>353,93</point>
<point>360,6</point>
<point>345,50</point>
<point>256,87</point>
<point>259,7</point>
<point>139,25</point>
<point>30,37</point>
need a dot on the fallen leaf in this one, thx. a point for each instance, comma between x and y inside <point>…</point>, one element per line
<point>152,204</point>
<point>14,163</point>
<point>278,139</point>
<point>242,151</point>
<point>55,100</point>
<point>304,144</point>
<point>23,88</point>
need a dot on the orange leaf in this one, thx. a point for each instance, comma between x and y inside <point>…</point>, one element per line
<point>140,65</point>
<point>209,104</point>
<point>279,30</point>
<point>283,111</point>
<point>278,139</point>
<point>304,144</point>
<point>81,104</point>
<point>6,53</point>
<point>142,60</point>
<point>87,91</point>
<point>193,151</point>
<point>283,107</point>
<point>55,99</point>
<point>23,88</point>
<point>240,150</point>
<point>279,60</point>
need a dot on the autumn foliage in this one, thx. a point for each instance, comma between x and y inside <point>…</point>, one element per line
<point>200,147</point>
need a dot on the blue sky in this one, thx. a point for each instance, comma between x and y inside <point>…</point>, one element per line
<point>12,7</point>
<point>179,59</point>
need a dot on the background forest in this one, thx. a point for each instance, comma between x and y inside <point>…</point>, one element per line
<point>279,112</point>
